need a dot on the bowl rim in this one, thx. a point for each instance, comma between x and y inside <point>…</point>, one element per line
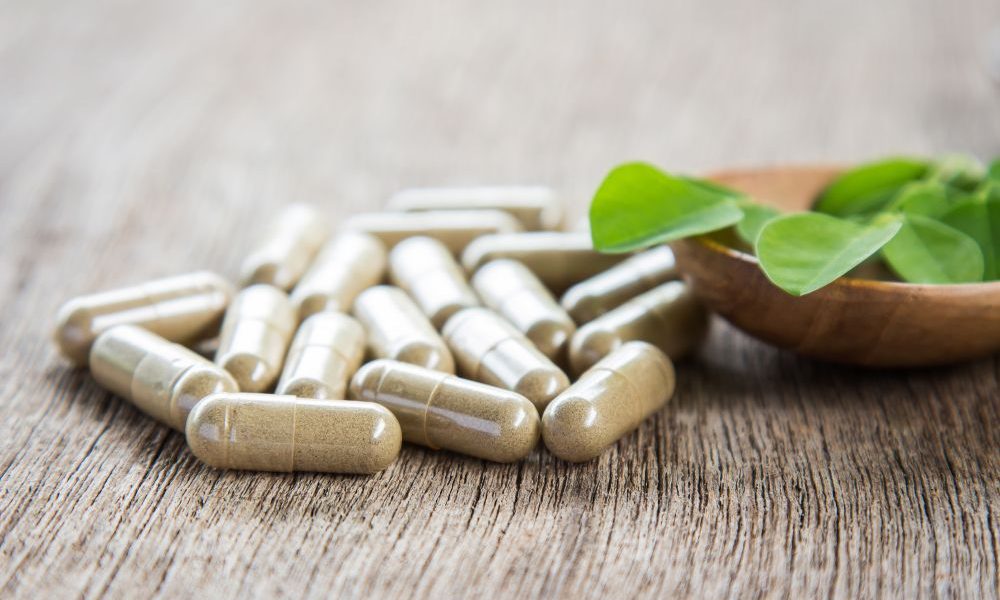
<point>843,281</point>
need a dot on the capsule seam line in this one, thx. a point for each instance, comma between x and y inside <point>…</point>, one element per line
<point>295,424</point>
<point>427,410</point>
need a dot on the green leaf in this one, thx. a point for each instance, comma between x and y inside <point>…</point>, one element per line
<point>927,198</point>
<point>755,216</point>
<point>994,170</point>
<point>638,205</point>
<point>868,188</point>
<point>979,218</point>
<point>803,252</point>
<point>928,251</point>
<point>959,171</point>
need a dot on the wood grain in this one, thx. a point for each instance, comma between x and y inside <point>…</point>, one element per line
<point>141,139</point>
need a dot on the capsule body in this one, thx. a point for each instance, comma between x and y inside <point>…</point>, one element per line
<point>537,207</point>
<point>183,309</point>
<point>453,228</point>
<point>558,259</point>
<point>438,410</point>
<point>163,379</point>
<point>255,335</point>
<point>347,264</point>
<point>262,432</point>
<point>294,239</point>
<point>593,297</point>
<point>667,316</point>
<point>425,269</point>
<point>398,330</point>
<point>608,401</point>
<point>513,291</point>
<point>325,352</point>
<point>489,349</point>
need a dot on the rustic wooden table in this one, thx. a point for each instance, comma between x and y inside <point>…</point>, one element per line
<point>142,139</point>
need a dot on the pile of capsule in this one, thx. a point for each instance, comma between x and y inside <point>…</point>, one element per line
<point>473,279</point>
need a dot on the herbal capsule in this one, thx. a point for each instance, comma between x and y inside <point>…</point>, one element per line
<point>592,298</point>
<point>326,351</point>
<point>295,238</point>
<point>163,379</point>
<point>442,411</point>
<point>667,316</point>
<point>261,432</point>
<point>489,349</point>
<point>398,330</point>
<point>425,269</point>
<point>184,309</point>
<point>509,288</point>
<point>453,228</point>
<point>559,259</point>
<point>347,264</point>
<point>535,206</point>
<point>608,401</point>
<point>255,335</point>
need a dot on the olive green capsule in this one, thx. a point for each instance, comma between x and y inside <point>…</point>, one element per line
<point>425,269</point>
<point>509,288</point>
<point>261,432</point>
<point>667,316</point>
<point>347,264</point>
<point>163,379</point>
<point>398,330</point>
<point>255,335</point>
<point>608,401</point>
<point>453,228</point>
<point>326,351</point>
<point>536,207</point>
<point>442,411</point>
<point>489,349</point>
<point>559,259</point>
<point>592,298</point>
<point>184,309</point>
<point>288,248</point>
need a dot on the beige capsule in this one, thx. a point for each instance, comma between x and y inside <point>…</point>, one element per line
<point>537,207</point>
<point>184,309</point>
<point>667,316</point>
<point>325,352</point>
<point>255,335</point>
<point>347,264</point>
<point>163,379</point>
<point>442,411</point>
<point>608,401</point>
<point>293,240</point>
<point>398,330</point>
<point>453,228</point>
<point>489,349</point>
<point>559,259</point>
<point>262,432</point>
<point>592,298</point>
<point>426,270</point>
<point>513,291</point>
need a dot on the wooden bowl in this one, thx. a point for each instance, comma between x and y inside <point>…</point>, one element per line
<point>852,321</point>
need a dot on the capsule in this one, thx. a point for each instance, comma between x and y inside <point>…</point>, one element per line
<point>425,269</point>
<point>255,335</point>
<point>443,411</point>
<point>184,309</point>
<point>592,298</point>
<point>327,349</point>
<point>509,288</point>
<point>453,228</point>
<point>398,330</point>
<point>347,264</point>
<point>289,247</point>
<point>558,259</point>
<point>667,316</point>
<point>262,432</point>
<point>537,207</point>
<point>608,401</point>
<point>163,379</point>
<point>489,349</point>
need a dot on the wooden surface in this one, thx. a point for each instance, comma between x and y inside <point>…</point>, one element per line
<point>141,139</point>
